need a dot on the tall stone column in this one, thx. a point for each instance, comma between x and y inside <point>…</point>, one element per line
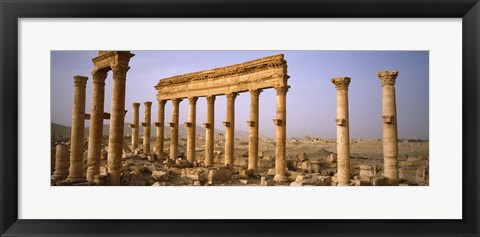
<point>389,116</point>
<point>61,162</point>
<point>135,125</point>
<point>117,120</point>
<point>210,131</point>
<point>160,129</point>
<point>281,135</point>
<point>253,130</point>
<point>343,135</point>
<point>95,134</point>
<point>174,129</point>
<point>78,127</point>
<point>147,127</point>
<point>230,129</point>
<point>191,125</point>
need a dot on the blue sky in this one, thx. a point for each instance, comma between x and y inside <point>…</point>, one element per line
<point>311,100</point>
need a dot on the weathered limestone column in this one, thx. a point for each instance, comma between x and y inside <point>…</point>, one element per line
<point>389,115</point>
<point>78,127</point>
<point>174,129</point>
<point>160,129</point>
<point>147,127</point>
<point>281,135</point>
<point>61,162</point>
<point>191,125</point>
<point>253,130</point>
<point>230,129</point>
<point>210,131</point>
<point>117,120</point>
<point>95,134</point>
<point>135,126</point>
<point>343,135</point>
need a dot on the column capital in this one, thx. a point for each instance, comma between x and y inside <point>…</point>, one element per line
<point>136,105</point>
<point>176,101</point>
<point>80,81</point>
<point>341,83</point>
<point>192,100</point>
<point>282,90</point>
<point>388,77</point>
<point>210,99</point>
<point>120,71</point>
<point>231,96</point>
<point>147,103</point>
<point>99,76</point>
<point>255,92</point>
<point>162,102</point>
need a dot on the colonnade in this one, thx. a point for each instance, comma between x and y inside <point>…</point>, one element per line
<point>389,118</point>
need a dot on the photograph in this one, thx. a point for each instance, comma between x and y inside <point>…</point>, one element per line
<point>239,118</point>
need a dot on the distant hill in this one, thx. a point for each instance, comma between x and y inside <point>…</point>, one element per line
<point>64,131</point>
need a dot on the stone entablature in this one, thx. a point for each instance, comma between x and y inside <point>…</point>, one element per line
<point>267,72</point>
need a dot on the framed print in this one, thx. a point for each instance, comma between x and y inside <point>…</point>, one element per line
<point>142,118</point>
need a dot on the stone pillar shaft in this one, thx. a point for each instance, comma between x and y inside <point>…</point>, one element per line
<point>117,120</point>
<point>253,130</point>
<point>230,130</point>
<point>191,124</point>
<point>174,129</point>
<point>281,134</point>
<point>135,126</point>
<point>160,129</point>
<point>147,127</point>
<point>95,134</point>
<point>343,134</point>
<point>210,130</point>
<point>61,162</point>
<point>389,116</point>
<point>78,127</point>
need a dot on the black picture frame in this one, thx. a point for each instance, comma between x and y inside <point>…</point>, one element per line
<point>11,11</point>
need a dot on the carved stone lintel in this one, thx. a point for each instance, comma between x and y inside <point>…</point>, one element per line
<point>341,83</point>
<point>80,81</point>
<point>388,77</point>
<point>282,90</point>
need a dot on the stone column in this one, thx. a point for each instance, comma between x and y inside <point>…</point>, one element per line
<point>117,120</point>
<point>61,162</point>
<point>78,127</point>
<point>253,130</point>
<point>191,125</point>
<point>230,129</point>
<point>160,129</point>
<point>281,135</point>
<point>343,135</point>
<point>95,134</point>
<point>147,127</point>
<point>210,131</point>
<point>135,126</point>
<point>389,116</point>
<point>174,129</point>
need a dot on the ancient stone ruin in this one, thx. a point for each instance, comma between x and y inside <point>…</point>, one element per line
<point>223,158</point>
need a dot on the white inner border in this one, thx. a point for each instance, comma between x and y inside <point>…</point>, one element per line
<point>441,200</point>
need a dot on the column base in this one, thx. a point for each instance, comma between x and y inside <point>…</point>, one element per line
<point>280,178</point>
<point>75,180</point>
<point>343,184</point>
<point>114,178</point>
<point>59,177</point>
